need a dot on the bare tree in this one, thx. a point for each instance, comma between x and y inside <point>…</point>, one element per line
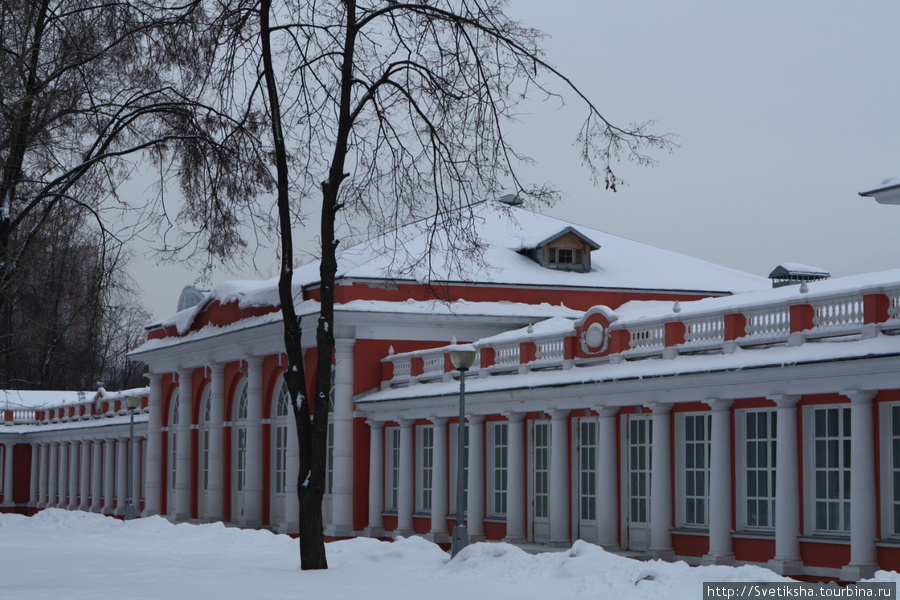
<point>385,112</point>
<point>88,89</point>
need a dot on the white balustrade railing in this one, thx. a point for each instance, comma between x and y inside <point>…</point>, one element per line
<point>550,350</point>
<point>843,314</point>
<point>704,331</point>
<point>25,416</point>
<point>506,355</point>
<point>647,338</point>
<point>434,365</point>
<point>767,325</point>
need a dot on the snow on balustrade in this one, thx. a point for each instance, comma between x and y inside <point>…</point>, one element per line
<point>550,350</point>
<point>767,324</point>
<point>434,364</point>
<point>705,331</point>
<point>838,315</point>
<point>506,355</point>
<point>648,337</point>
<point>402,367</point>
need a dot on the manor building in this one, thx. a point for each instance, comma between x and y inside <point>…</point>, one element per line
<point>632,397</point>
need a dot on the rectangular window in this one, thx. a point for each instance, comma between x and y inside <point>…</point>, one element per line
<point>425,483</point>
<point>565,256</point>
<point>759,467</point>
<point>2,467</point>
<point>541,469</point>
<point>206,459</point>
<point>695,469</point>
<point>329,473</point>
<point>831,469</point>
<point>280,458</point>
<point>392,472</point>
<point>895,469</point>
<point>587,467</point>
<point>498,473</point>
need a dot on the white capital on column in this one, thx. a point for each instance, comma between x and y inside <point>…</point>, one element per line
<point>406,491</point>
<point>475,483</point>
<point>376,479</point>
<point>661,483</point>
<point>515,492</point>
<point>787,559</point>
<point>153,488</point>
<point>720,548</point>
<point>559,477</point>
<point>863,524</point>
<point>439,483</point>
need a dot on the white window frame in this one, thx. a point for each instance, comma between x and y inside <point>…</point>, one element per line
<point>841,471</point>
<point>745,463</point>
<point>889,434</point>
<point>391,468</point>
<point>687,471</point>
<point>498,469</point>
<point>424,468</point>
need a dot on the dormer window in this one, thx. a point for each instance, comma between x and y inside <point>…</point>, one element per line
<point>568,250</point>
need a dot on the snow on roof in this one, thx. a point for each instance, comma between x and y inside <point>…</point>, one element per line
<point>619,263</point>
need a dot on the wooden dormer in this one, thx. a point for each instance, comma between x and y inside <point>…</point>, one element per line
<point>568,250</point>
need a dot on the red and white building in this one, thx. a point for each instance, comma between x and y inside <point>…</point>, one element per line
<point>625,395</point>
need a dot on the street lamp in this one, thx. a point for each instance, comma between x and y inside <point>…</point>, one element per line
<point>462,357</point>
<point>132,402</point>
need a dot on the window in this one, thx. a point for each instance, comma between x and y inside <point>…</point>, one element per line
<point>498,468</point>
<point>207,417</point>
<point>831,469</point>
<point>756,430</point>
<point>329,459</point>
<point>241,432</point>
<point>587,469</point>
<point>2,467</point>
<point>541,469</point>
<point>695,446</point>
<point>173,443</point>
<point>392,470</point>
<point>282,410</point>
<point>564,256</point>
<point>892,461</point>
<point>425,452</point>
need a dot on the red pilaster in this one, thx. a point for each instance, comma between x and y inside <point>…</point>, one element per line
<point>875,308</point>
<point>735,326</point>
<point>675,333</point>
<point>801,317</point>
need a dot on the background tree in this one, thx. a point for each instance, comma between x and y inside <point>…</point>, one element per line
<point>377,114</point>
<point>87,89</point>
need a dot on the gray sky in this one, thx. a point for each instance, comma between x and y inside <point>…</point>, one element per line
<point>783,112</point>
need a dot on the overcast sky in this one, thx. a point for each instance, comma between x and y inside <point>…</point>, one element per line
<point>784,110</point>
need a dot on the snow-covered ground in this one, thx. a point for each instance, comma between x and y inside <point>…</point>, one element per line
<point>63,555</point>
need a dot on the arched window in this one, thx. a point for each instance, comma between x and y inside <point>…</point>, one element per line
<point>205,432</point>
<point>173,449</point>
<point>239,441</point>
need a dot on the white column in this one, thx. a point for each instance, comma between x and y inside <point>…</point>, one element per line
<point>863,508</point>
<point>43,474</point>
<point>122,475</point>
<point>252,515</point>
<point>559,478</point>
<point>661,483</point>
<point>53,475</point>
<point>84,476</point>
<point>96,476</point>
<point>215,492</point>
<point>720,497</point>
<point>607,479</point>
<point>109,476</point>
<point>183,459</point>
<point>342,455</point>
<point>63,475</point>
<point>153,487</point>
<point>8,475</point>
<point>73,476</point>
<point>137,474</point>
<point>515,491</point>
<point>475,483</point>
<point>787,559</point>
<point>439,483</point>
<point>406,489</point>
<point>376,479</point>
<point>35,459</point>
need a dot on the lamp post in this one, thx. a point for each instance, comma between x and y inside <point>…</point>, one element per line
<point>132,402</point>
<point>462,357</point>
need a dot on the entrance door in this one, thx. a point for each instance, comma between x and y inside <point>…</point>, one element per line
<point>540,477</point>
<point>638,440</point>
<point>587,480</point>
